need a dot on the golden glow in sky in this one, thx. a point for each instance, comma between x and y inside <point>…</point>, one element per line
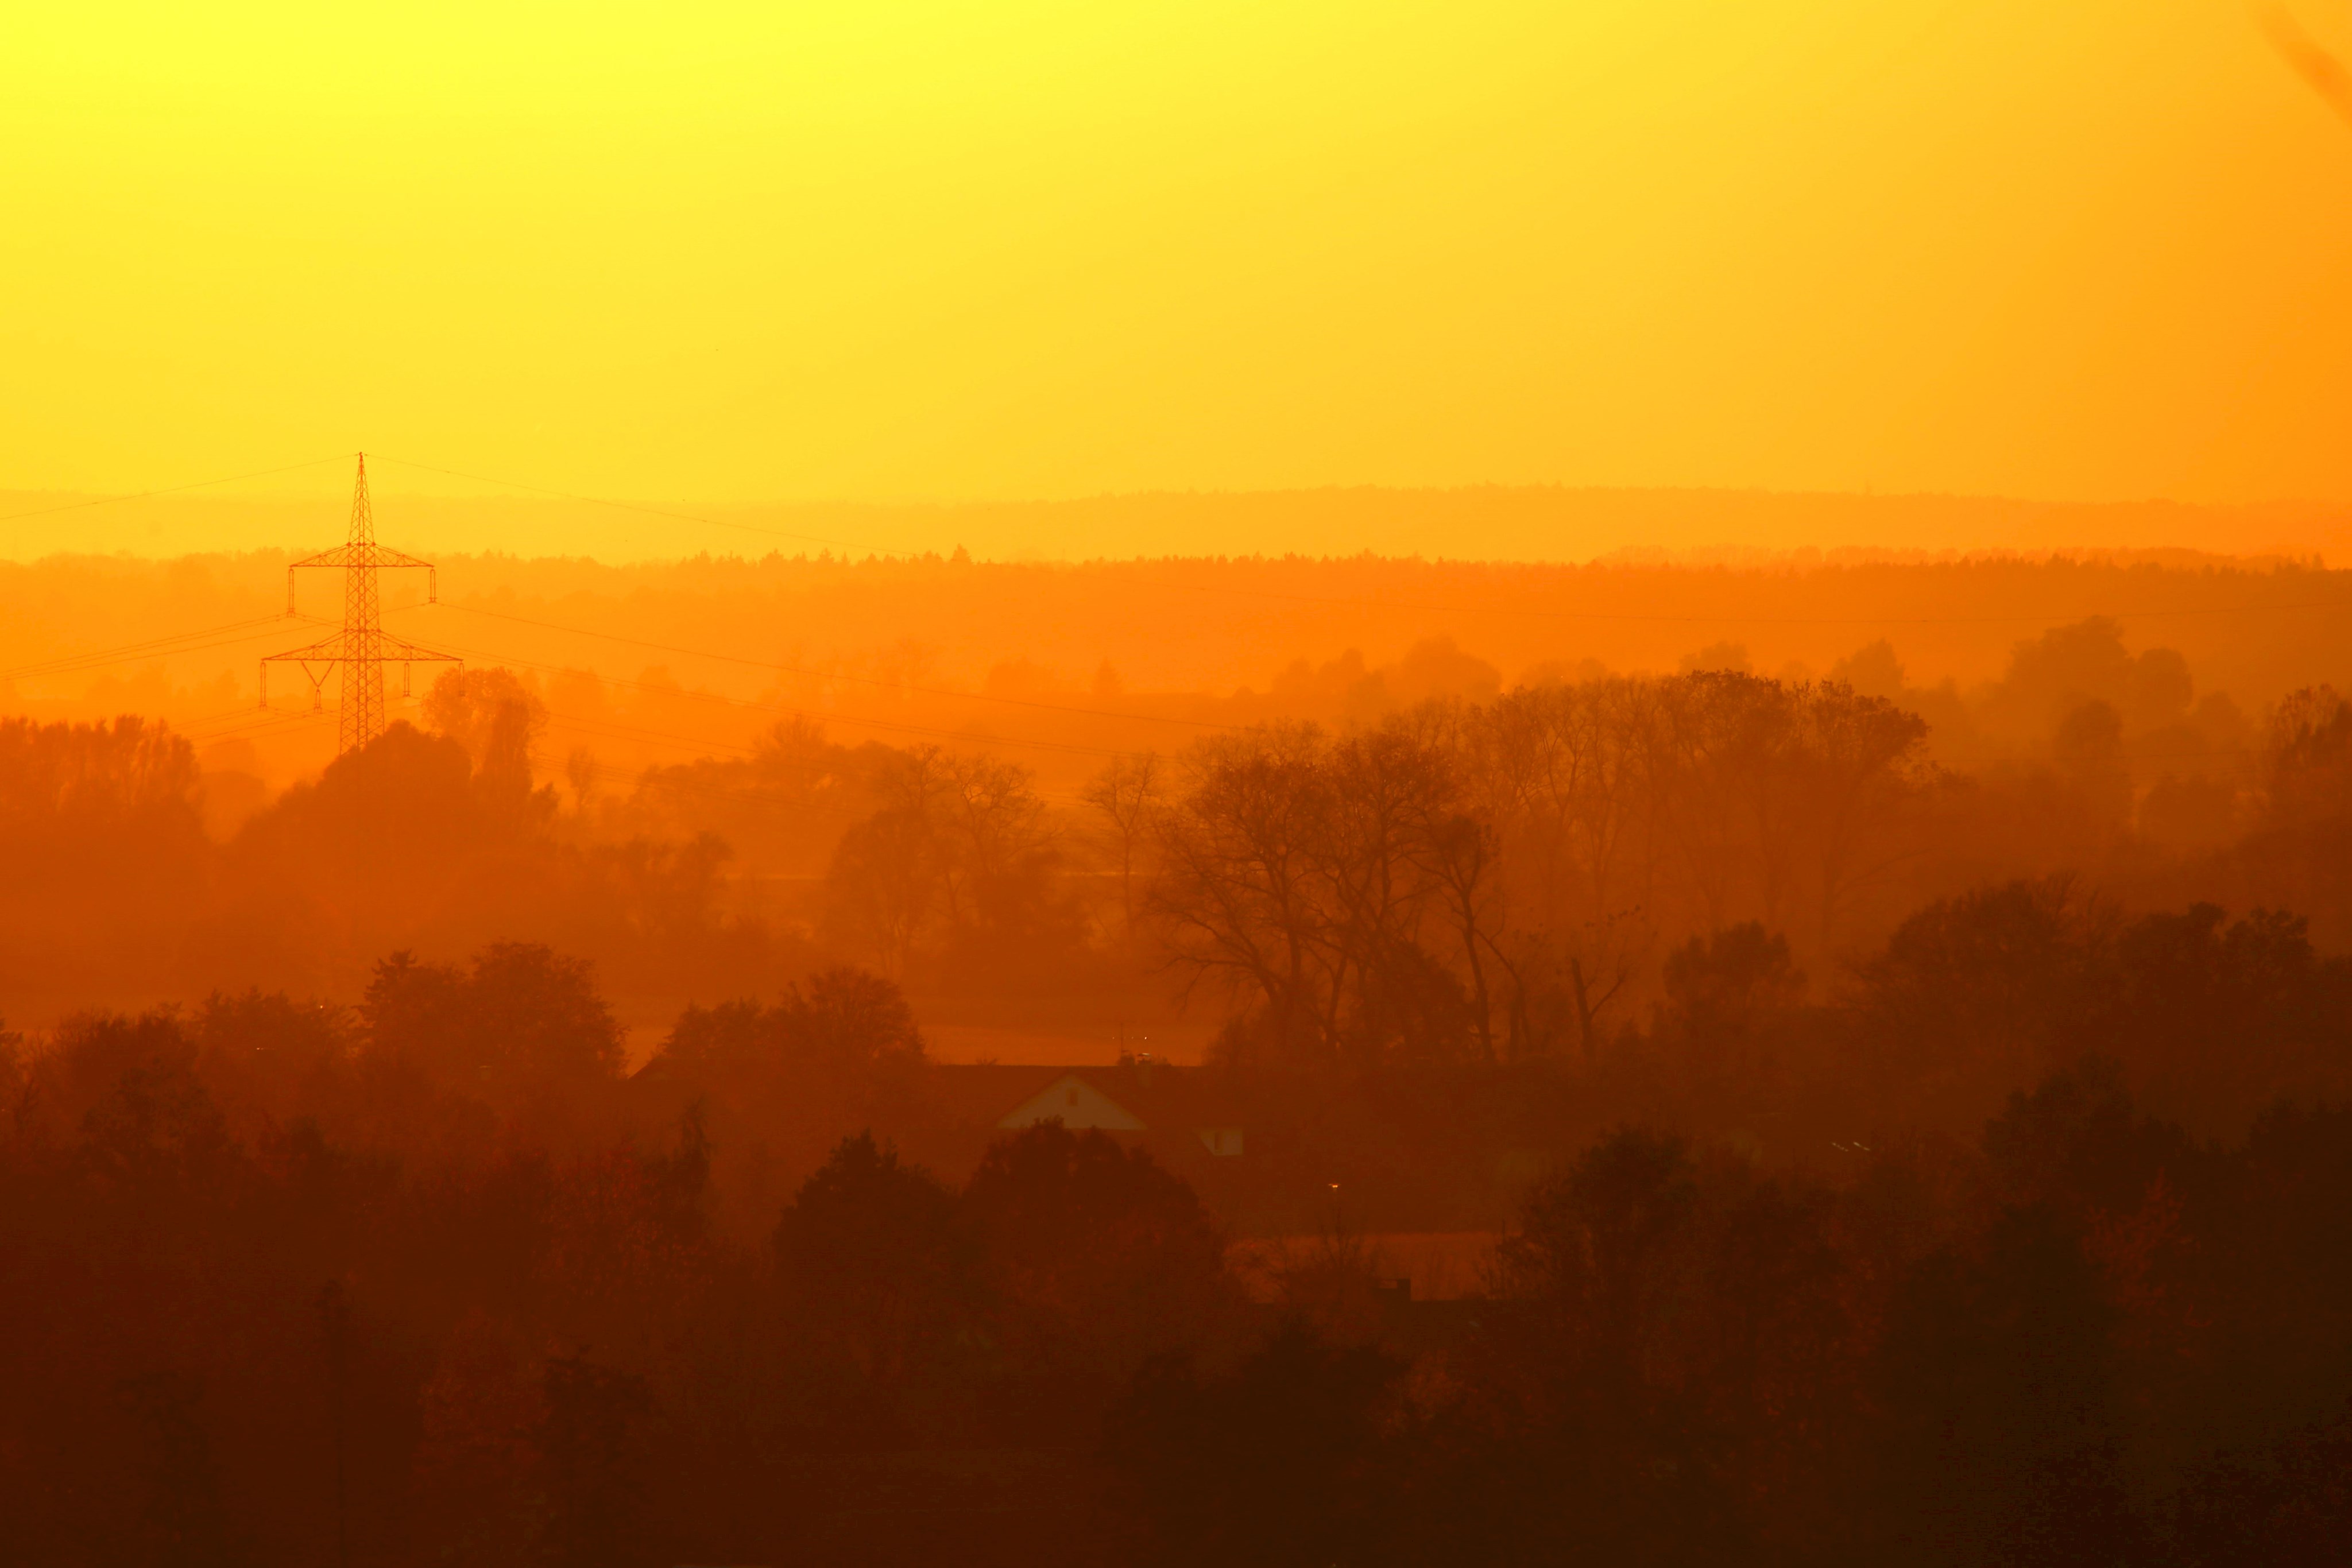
<point>777,251</point>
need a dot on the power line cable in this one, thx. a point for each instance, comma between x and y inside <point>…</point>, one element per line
<point>153,648</point>
<point>169,489</point>
<point>928,731</point>
<point>829,675</point>
<point>673,775</point>
<point>653,511</point>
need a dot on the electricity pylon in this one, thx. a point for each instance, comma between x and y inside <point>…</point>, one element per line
<point>361,648</point>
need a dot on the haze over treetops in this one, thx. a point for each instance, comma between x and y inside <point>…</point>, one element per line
<point>1021,252</point>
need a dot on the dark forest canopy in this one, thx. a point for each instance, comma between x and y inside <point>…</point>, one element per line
<point>438,1277</point>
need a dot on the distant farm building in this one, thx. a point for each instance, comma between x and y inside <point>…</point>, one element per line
<point>1176,1112</point>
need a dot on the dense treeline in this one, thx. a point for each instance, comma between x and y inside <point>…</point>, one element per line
<point>1415,885</point>
<point>439,839</point>
<point>439,1279</point>
<point>1501,872</point>
<point>1115,649</point>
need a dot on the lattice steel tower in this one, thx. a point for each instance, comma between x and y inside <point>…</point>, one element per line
<point>361,648</point>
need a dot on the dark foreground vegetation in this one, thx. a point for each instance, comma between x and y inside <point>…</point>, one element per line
<point>436,1281</point>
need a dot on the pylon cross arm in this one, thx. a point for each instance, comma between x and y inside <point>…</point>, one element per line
<point>342,555</point>
<point>328,648</point>
<point>327,652</point>
<point>364,556</point>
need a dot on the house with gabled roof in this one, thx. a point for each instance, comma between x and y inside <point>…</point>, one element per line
<point>1172,1110</point>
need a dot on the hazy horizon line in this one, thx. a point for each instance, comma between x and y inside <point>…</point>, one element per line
<point>503,490</point>
<point>1486,522</point>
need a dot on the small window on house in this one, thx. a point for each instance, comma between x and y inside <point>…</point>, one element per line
<point>1074,1093</point>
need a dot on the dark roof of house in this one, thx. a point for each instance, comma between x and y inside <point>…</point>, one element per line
<point>1160,1096</point>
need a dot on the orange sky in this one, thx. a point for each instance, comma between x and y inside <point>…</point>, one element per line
<point>711,253</point>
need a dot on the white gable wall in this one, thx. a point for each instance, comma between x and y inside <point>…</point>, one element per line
<point>1076,1105</point>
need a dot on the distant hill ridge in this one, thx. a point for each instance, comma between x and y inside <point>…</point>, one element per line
<point>1533,523</point>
